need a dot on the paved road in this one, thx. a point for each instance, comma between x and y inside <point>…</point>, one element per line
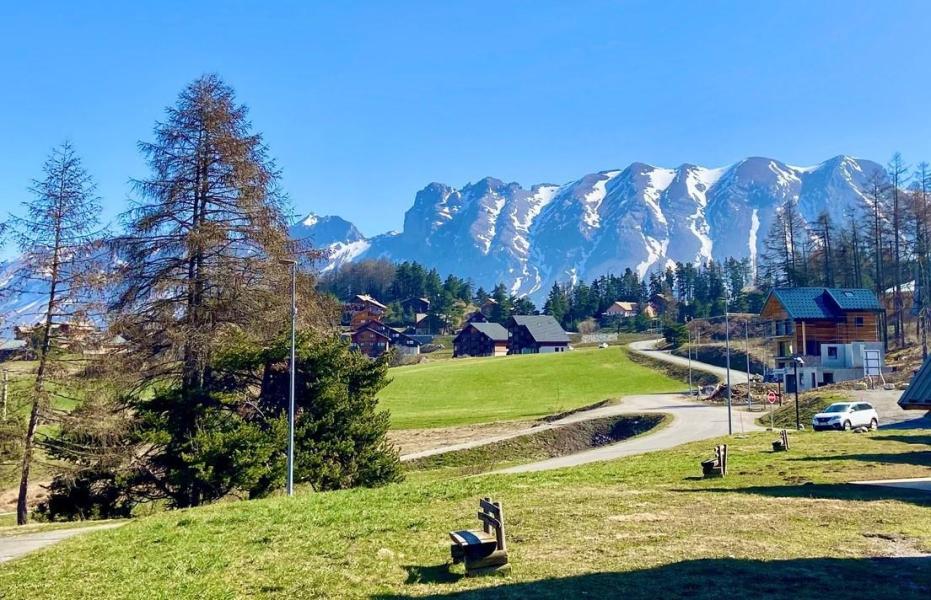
<point>647,348</point>
<point>14,546</point>
<point>691,422</point>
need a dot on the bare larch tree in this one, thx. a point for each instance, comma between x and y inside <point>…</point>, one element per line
<point>58,238</point>
<point>204,239</point>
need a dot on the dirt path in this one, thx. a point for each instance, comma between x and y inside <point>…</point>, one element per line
<point>17,544</point>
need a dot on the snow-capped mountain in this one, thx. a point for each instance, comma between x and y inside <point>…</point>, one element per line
<point>642,217</point>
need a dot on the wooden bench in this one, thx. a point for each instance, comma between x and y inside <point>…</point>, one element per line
<point>782,444</point>
<point>717,466</point>
<point>485,551</point>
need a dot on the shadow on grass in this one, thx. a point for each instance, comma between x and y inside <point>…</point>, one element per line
<point>920,458</point>
<point>430,574</point>
<point>822,578</point>
<point>907,439</point>
<point>828,491</point>
<point>919,422</point>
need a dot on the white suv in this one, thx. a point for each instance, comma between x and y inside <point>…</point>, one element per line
<point>846,415</point>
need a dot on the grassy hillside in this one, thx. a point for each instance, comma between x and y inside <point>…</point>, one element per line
<point>779,526</point>
<point>477,390</point>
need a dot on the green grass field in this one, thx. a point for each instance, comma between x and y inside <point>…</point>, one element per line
<point>479,390</point>
<point>780,525</point>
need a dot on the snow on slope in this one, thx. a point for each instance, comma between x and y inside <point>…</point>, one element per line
<point>642,217</point>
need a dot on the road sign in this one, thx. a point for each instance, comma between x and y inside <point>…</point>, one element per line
<point>771,397</point>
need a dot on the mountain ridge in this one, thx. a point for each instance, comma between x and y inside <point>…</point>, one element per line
<point>642,217</point>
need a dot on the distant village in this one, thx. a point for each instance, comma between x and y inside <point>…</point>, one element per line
<point>819,335</point>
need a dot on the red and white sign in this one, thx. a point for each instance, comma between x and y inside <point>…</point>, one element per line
<point>771,397</point>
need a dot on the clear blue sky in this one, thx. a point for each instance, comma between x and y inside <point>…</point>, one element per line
<point>364,103</point>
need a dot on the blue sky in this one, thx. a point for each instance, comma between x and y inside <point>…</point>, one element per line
<point>364,103</point>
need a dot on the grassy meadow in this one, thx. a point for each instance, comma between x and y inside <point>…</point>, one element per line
<point>480,390</point>
<point>780,525</point>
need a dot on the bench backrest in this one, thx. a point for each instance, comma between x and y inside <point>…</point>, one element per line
<point>720,453</point>
<point>491,514</point>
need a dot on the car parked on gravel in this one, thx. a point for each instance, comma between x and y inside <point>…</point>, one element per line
<point>846,416</point>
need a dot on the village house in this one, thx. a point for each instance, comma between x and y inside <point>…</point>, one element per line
<point>374,338</point>
<point>622,310</point>
<point>363,308</point>
<point>532,334</point>
<point>481,339</point>
<point>835,331</point>
<point>416,305</point>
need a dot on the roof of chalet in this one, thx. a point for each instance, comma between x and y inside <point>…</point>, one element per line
<point>543,328</point>
<point>12,344</point>
<point>367,327</point>
<point>917,395</point>
<point>366,299</point>
<point>628,306</point>
<point>824,303</point>
<point>495,331</point>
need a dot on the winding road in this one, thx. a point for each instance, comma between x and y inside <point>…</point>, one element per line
<point>691,421</point>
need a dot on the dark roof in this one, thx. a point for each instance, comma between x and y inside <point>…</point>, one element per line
<point>374,330</point>
<point>543,328</point>
<point>494,331</point>
<point>824,303</point>
<point>918,393</point>
<point>422,339</point>
<point>854,299</point>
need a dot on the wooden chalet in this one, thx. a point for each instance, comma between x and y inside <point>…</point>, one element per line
<point>481,339</point>
<point>416,305</point>
<point>833,330</point>
<point>532,334</point>
<point>363,308</point>
<point>371,338</point>
<point>622,310</point>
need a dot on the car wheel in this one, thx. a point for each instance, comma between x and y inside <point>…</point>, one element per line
<point>874,424</point>
<point>846,425</point>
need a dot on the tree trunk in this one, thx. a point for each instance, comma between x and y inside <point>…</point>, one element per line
<point>22,515</point>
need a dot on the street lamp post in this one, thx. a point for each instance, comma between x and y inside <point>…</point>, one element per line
<point>796,361</point>
<point>688,333</point>
<point>727,351</point>
<point>290,480</point>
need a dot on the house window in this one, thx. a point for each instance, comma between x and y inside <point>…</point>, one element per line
<point>858,321</point>
<point>832,351</point>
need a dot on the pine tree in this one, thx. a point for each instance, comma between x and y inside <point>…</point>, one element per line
<point>59,242</point>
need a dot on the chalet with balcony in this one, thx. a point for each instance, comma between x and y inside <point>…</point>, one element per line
<point>835,331</point>
<point>363,308</point>
<point>481,339</point>
<point>372,338</point>
<point>532,334</point>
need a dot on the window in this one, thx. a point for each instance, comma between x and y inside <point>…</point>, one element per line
<point>858,321</point>
<point>832,351</point>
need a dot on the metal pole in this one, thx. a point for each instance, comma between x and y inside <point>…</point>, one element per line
<point>798,420</point>
<point>689,334</point>
<point>747,341</point>
<point>727,350</point>
<point>293,363</point>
